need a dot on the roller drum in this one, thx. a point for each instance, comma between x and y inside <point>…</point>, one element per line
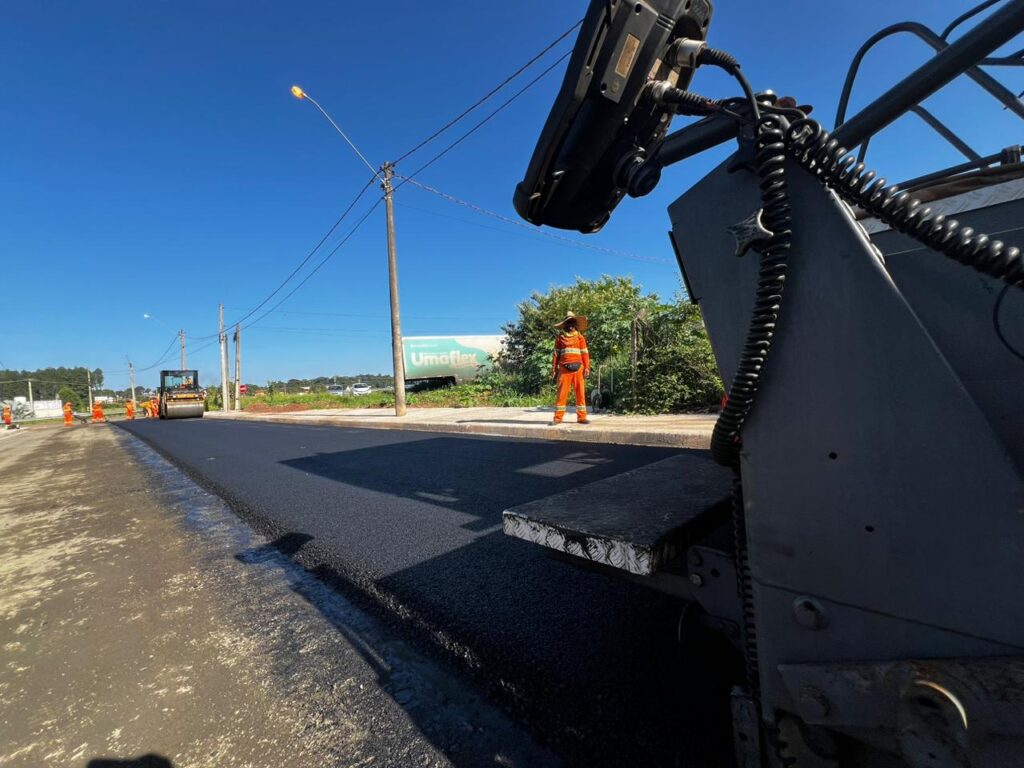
<point>187,410</point>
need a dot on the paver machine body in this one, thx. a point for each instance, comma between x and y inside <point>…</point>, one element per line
<point>180,395</point>
<point>857,531</point>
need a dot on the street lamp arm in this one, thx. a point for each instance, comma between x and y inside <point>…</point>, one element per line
<point>302,95</point>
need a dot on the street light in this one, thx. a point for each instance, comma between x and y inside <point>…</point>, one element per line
<point>385,174</point>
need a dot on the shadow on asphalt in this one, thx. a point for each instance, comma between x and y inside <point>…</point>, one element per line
<point>591,662</point>
<point>146,761</point>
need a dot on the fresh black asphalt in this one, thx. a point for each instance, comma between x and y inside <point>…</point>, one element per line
<point>410,522</point>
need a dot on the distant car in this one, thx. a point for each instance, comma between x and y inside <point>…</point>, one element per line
<point>336,389</point>
<point>359,388</point>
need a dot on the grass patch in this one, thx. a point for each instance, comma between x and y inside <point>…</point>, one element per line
<point>471,395</point>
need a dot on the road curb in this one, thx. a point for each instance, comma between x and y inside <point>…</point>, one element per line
<point>566,432</point>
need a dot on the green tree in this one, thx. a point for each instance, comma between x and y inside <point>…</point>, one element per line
<point>675,368</point>
<point>68,395</point>
<point>610,304</point>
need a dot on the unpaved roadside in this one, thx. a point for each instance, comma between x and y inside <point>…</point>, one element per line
<point>137,616</point>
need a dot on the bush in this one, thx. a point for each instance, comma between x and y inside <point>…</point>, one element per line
<point>675,367</point>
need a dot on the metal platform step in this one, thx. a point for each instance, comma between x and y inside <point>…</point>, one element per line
<point>636,521</point>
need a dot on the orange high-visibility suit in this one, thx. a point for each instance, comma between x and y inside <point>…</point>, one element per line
<point>69,415</point>
<point>129,410</point>
<point>154,408</point>
<point>97,413</point>
<point>570,352</point>
<point>7,415</point>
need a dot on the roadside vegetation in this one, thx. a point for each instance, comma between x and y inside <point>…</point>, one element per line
<point>648,356</point>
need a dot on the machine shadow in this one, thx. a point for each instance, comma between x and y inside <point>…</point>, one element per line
<point>513,472</point>
<point>583,658</point>
<point>145,761</point>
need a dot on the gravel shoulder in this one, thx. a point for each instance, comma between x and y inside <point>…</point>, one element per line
<point>138,617</point>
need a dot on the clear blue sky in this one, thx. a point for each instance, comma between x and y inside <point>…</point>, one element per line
<point>155,163</point>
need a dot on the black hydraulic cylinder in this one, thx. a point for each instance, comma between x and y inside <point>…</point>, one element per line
<point>1003,25</point>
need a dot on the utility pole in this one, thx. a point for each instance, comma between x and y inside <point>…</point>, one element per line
<point>396,322</point>
<point>224,393</point>
<point>181,336</point>
<point>31,402</point>
<point>88,382</point>
<point>238,367</point>
<point>131,381</point>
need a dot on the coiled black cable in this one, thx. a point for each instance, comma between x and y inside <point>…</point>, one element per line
<point>770,159</point>
<point>745,590</point>
<point>815,149</point>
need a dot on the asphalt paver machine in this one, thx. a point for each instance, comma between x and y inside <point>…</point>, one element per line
<point>180,395</point>
<point>856,532</point>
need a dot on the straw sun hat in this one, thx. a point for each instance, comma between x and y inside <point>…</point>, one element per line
<point>581,322</point>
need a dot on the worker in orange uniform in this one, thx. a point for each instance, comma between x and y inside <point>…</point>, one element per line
<point>97,412</point>
<point>7,416</point>
<point>129,410</point>
<point>570,364</point>
<point>69,415</point>
<point>154,408</point>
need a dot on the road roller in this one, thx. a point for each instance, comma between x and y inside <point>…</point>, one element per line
<point>180,395</point>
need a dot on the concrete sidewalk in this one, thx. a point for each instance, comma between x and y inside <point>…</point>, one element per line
<point>674,431</point>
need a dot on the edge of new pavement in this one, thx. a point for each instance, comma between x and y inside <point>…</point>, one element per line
<point>690,430</point>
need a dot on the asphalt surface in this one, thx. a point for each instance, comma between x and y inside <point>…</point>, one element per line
<point>409,523</point>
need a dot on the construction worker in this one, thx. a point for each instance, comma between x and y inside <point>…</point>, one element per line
<point>154,408</point>
<point>69,415</point>
<point>7,415</point>
<point>129,410</point>
<point>97,412</point>
<point>570,364</point>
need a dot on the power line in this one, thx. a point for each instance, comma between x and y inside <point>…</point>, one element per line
<point>533,230</point>
<point>163,357</point>
<point>491,92</point>
<point>309,255</point>
<point>483,122</point>
<point>322,262</point>
<point>381,317</point>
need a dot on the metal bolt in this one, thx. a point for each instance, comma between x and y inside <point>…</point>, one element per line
<point>697,580</point>
<point>809,613</point>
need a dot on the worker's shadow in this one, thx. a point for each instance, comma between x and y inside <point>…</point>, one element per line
<point>146,761</point>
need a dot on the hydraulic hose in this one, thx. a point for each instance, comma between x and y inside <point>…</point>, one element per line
<point>815,149</point>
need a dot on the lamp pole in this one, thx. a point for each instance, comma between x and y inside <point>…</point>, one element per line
<point>385,175</point>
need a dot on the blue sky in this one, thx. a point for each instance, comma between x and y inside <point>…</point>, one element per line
<point>155,163</point>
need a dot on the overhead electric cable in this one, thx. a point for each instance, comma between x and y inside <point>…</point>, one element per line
<point>164,356</point>
<point>309,255</point>
<point>322,262</point>
<point>534,230</point>
<point>491,92</point>
<point>483,122</point>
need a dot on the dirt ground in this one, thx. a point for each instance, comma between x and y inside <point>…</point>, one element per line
<point>141,623</point>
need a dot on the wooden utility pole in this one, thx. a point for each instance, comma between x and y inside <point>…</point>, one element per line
<point>398,360</point>
<point>181,336</point>
<point>131,381</point>
<point>88,382</point>
<point>238,367</point>
<point>224,393</point>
